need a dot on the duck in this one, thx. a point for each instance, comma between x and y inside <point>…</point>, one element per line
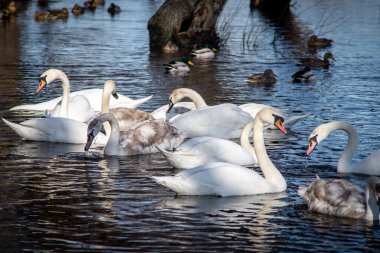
<point>201,150</point>
<point>169,47</point>
<point>142,138</point>
<point>51,15</point>
<point>77,10</point>
<point>76,107</point>
<point>179,66</point>
<point>368,165</point>
<point>339,197</point>
<point>316,62</point>
<point>94,96</point>
<point>90,5</point>
<point>304,75</point>
<point>266,78</point>
<point>113,9</point>
<point>315,42</point>
<point>225,179</point>
<point>251,108</point>
<point>208,52</point>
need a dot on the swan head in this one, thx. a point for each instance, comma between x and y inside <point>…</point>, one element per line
<point>93,129</point>
<point>318,135</point>
<point>110,88</point>
<point>272,116</point>
<point>176,96</point>
<point>47,77</point>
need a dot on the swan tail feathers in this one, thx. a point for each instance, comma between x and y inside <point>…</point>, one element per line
<point>130,103</point>
<point>167,181</point>
<point>25,132</point>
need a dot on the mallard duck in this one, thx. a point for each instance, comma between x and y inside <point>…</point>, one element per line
<point>180,66</point>
<point>51,15</point>
<point>304,75</point>
<point>339,197</point>
<point>113,9</point>
<point>77,10</point>
<point>316,42</point>
<point>12,8</point>
<point>268,77</point>
<point>207,52</point>
<point>316,62</point>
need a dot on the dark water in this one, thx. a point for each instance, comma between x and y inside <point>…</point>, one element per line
<point>54,197</point>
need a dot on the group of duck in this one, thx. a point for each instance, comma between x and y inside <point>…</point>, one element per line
<point>268,77</point>
<point>9,11</point>
<point>196,137</point>
<point>90,5</point>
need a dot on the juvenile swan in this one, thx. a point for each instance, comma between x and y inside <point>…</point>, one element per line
<point>142,138</point>
<point>342,198</point>
<point>224,179</point>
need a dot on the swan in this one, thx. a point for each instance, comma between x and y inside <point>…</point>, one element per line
<point>143,138</point>
<point>224,179</point>
<point>251,108</point>
<point>201,150</point>
<point>368,166</point>
<point>93,95</point>
<point>342,198</point>
<point>75,107</point>
<point>54,129</point>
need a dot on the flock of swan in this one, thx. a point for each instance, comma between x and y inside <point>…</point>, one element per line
<point>196,138</point>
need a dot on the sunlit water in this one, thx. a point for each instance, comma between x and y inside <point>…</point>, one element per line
<point>55,197</point>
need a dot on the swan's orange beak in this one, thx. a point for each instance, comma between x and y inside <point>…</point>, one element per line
<point>312,145</point>
<point>280,126</point>
<point>41,84</point>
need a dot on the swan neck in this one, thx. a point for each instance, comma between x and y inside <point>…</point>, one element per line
<point>372,208</point>
<point>345,161</point>
<point>105,108</point>
<point>244,139</point>
<point>112,146</point>
<point>195,97</point>
<point>271,173</point>
<point>65,95</point>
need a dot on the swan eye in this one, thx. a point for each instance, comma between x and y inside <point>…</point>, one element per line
<point>276,118</point>
<point>313,139</point>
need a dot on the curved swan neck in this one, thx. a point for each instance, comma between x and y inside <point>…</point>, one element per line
<point>244,139</point>
<point>345,161</point>
<point>112,146</point>
<point>194,96</point>
<point>271,173</point>
<point>66,93</point>
<point>372,208</point>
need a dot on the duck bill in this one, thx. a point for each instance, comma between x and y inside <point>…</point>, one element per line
<point>214,49</point>
<point>312,145</point>
<point>41,85</point>
<point>190,62</point>
<point>280,126</point>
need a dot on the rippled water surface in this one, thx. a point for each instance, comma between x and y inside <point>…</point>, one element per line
<point>55,197</point>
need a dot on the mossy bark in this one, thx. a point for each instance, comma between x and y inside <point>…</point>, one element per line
<point>185,22</point>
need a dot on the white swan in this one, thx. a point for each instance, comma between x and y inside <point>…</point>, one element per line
<point>94,97</point>
<point>201,150</point>
<point>342,198</point>
<point>142,138</point>
<point>75,107</point>
<point>57,129</point>
<point>251,108</point>
<point>54,129</point>
<point>226,179</point>
<point>369,165</point>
